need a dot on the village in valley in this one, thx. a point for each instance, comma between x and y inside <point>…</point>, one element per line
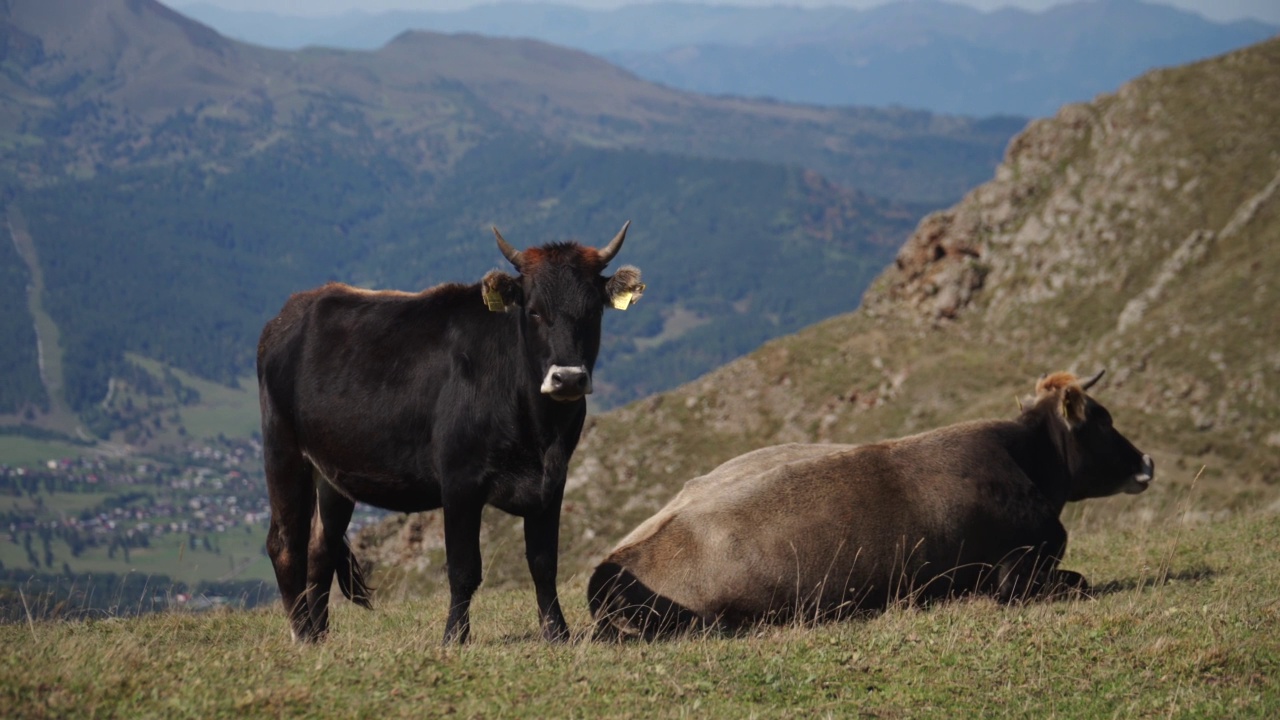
<point>189,527</point>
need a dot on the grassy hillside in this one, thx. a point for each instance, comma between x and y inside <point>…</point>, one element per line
<point>1136,233</point>
<point>1184,625</point>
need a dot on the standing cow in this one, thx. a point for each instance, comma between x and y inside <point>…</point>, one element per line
<point>454,397</point>
<point>817,531</point>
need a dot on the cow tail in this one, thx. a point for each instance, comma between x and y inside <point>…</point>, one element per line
<point>351,576</point>
<point>624,607</point>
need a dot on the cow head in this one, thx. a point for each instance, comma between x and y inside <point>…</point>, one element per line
<point>1100,460</point>
<point>559,296</point>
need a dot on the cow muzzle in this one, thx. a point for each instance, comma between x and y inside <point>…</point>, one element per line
<point>566,384</point>
<point>1142,480</point>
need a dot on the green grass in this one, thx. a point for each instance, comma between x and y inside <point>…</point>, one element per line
<point>170,555</point>
<point>241,553</point>
<point>17,450</point>
<point>1186,624</point>
<point>54,504</point>
<point>222,410</point>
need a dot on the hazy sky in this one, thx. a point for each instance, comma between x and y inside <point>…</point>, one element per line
<point>1268,10</point>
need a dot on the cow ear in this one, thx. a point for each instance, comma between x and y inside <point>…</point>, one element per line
<point>624,288</point>
<point>500,291</point>
<point>1073,406</point>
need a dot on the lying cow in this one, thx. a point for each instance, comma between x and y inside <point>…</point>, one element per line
<point>818,531</point>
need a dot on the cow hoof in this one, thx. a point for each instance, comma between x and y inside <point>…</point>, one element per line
<point>557,635</point>
<point>1069,584</point>
<point>605,632</point>
<point>456,637</point>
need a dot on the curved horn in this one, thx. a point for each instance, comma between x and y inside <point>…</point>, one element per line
<point>514,256</point>
<point>1086,384</point>
<point>615,244</point>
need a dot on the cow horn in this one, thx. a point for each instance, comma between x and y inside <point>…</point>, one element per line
<point>615,244</point>
<point>1085,385</point>
<point>514,256</point>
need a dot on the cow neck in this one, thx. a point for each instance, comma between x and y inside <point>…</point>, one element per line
<point>1042,454</point>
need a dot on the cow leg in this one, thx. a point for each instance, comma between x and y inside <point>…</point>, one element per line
<point>462,552</point>
<point>1033,571</point>
<point>326,548</point>
<point>292,495</point>
<point>1056,582</point>
<point>541,549</point>
<point>1015,575</point>
<point>1067,582</point>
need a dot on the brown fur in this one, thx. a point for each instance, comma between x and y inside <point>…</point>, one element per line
<point>374,293</point>
<point>1055,382</point>
<point>818,531</point>
<point>587,259</point>
<point>502,284</point>
<point>1073,404</point>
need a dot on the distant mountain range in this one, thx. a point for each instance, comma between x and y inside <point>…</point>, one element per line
<point>927,54</point>
<point>165,189</point>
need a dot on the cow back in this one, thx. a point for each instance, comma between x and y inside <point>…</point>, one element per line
<point>820,526</point>
<point>365,382</point>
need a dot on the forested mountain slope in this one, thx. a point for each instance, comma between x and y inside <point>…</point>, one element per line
<point>170,187</point>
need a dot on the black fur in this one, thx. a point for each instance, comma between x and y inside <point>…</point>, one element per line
<point>419,401</point>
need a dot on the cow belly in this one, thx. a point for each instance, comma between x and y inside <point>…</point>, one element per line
<point>521,499</point>
<point>781,557</point>
<point>717,568</point>
<point>717,573</point>
<point>389,493</point>
<point>787,529</point>
<point>402,496</point>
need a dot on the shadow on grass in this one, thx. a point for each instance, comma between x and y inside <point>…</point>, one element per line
<point>531,636</point>
<point>1191,575</point>
<point>721,629</point>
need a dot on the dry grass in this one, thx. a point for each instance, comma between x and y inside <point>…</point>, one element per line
<point>1185,624</point>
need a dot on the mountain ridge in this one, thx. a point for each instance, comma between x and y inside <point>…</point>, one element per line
<point>271,88</point>
<point>936,55</point>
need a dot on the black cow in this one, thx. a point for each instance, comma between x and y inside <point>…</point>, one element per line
<point>451,398</point>
<point>822,530</point>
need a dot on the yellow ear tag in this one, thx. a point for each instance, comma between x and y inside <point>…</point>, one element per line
<point>493,300</point>
<point>622,300</point>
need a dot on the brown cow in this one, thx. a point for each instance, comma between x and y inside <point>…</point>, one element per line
<point>819,531</point>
